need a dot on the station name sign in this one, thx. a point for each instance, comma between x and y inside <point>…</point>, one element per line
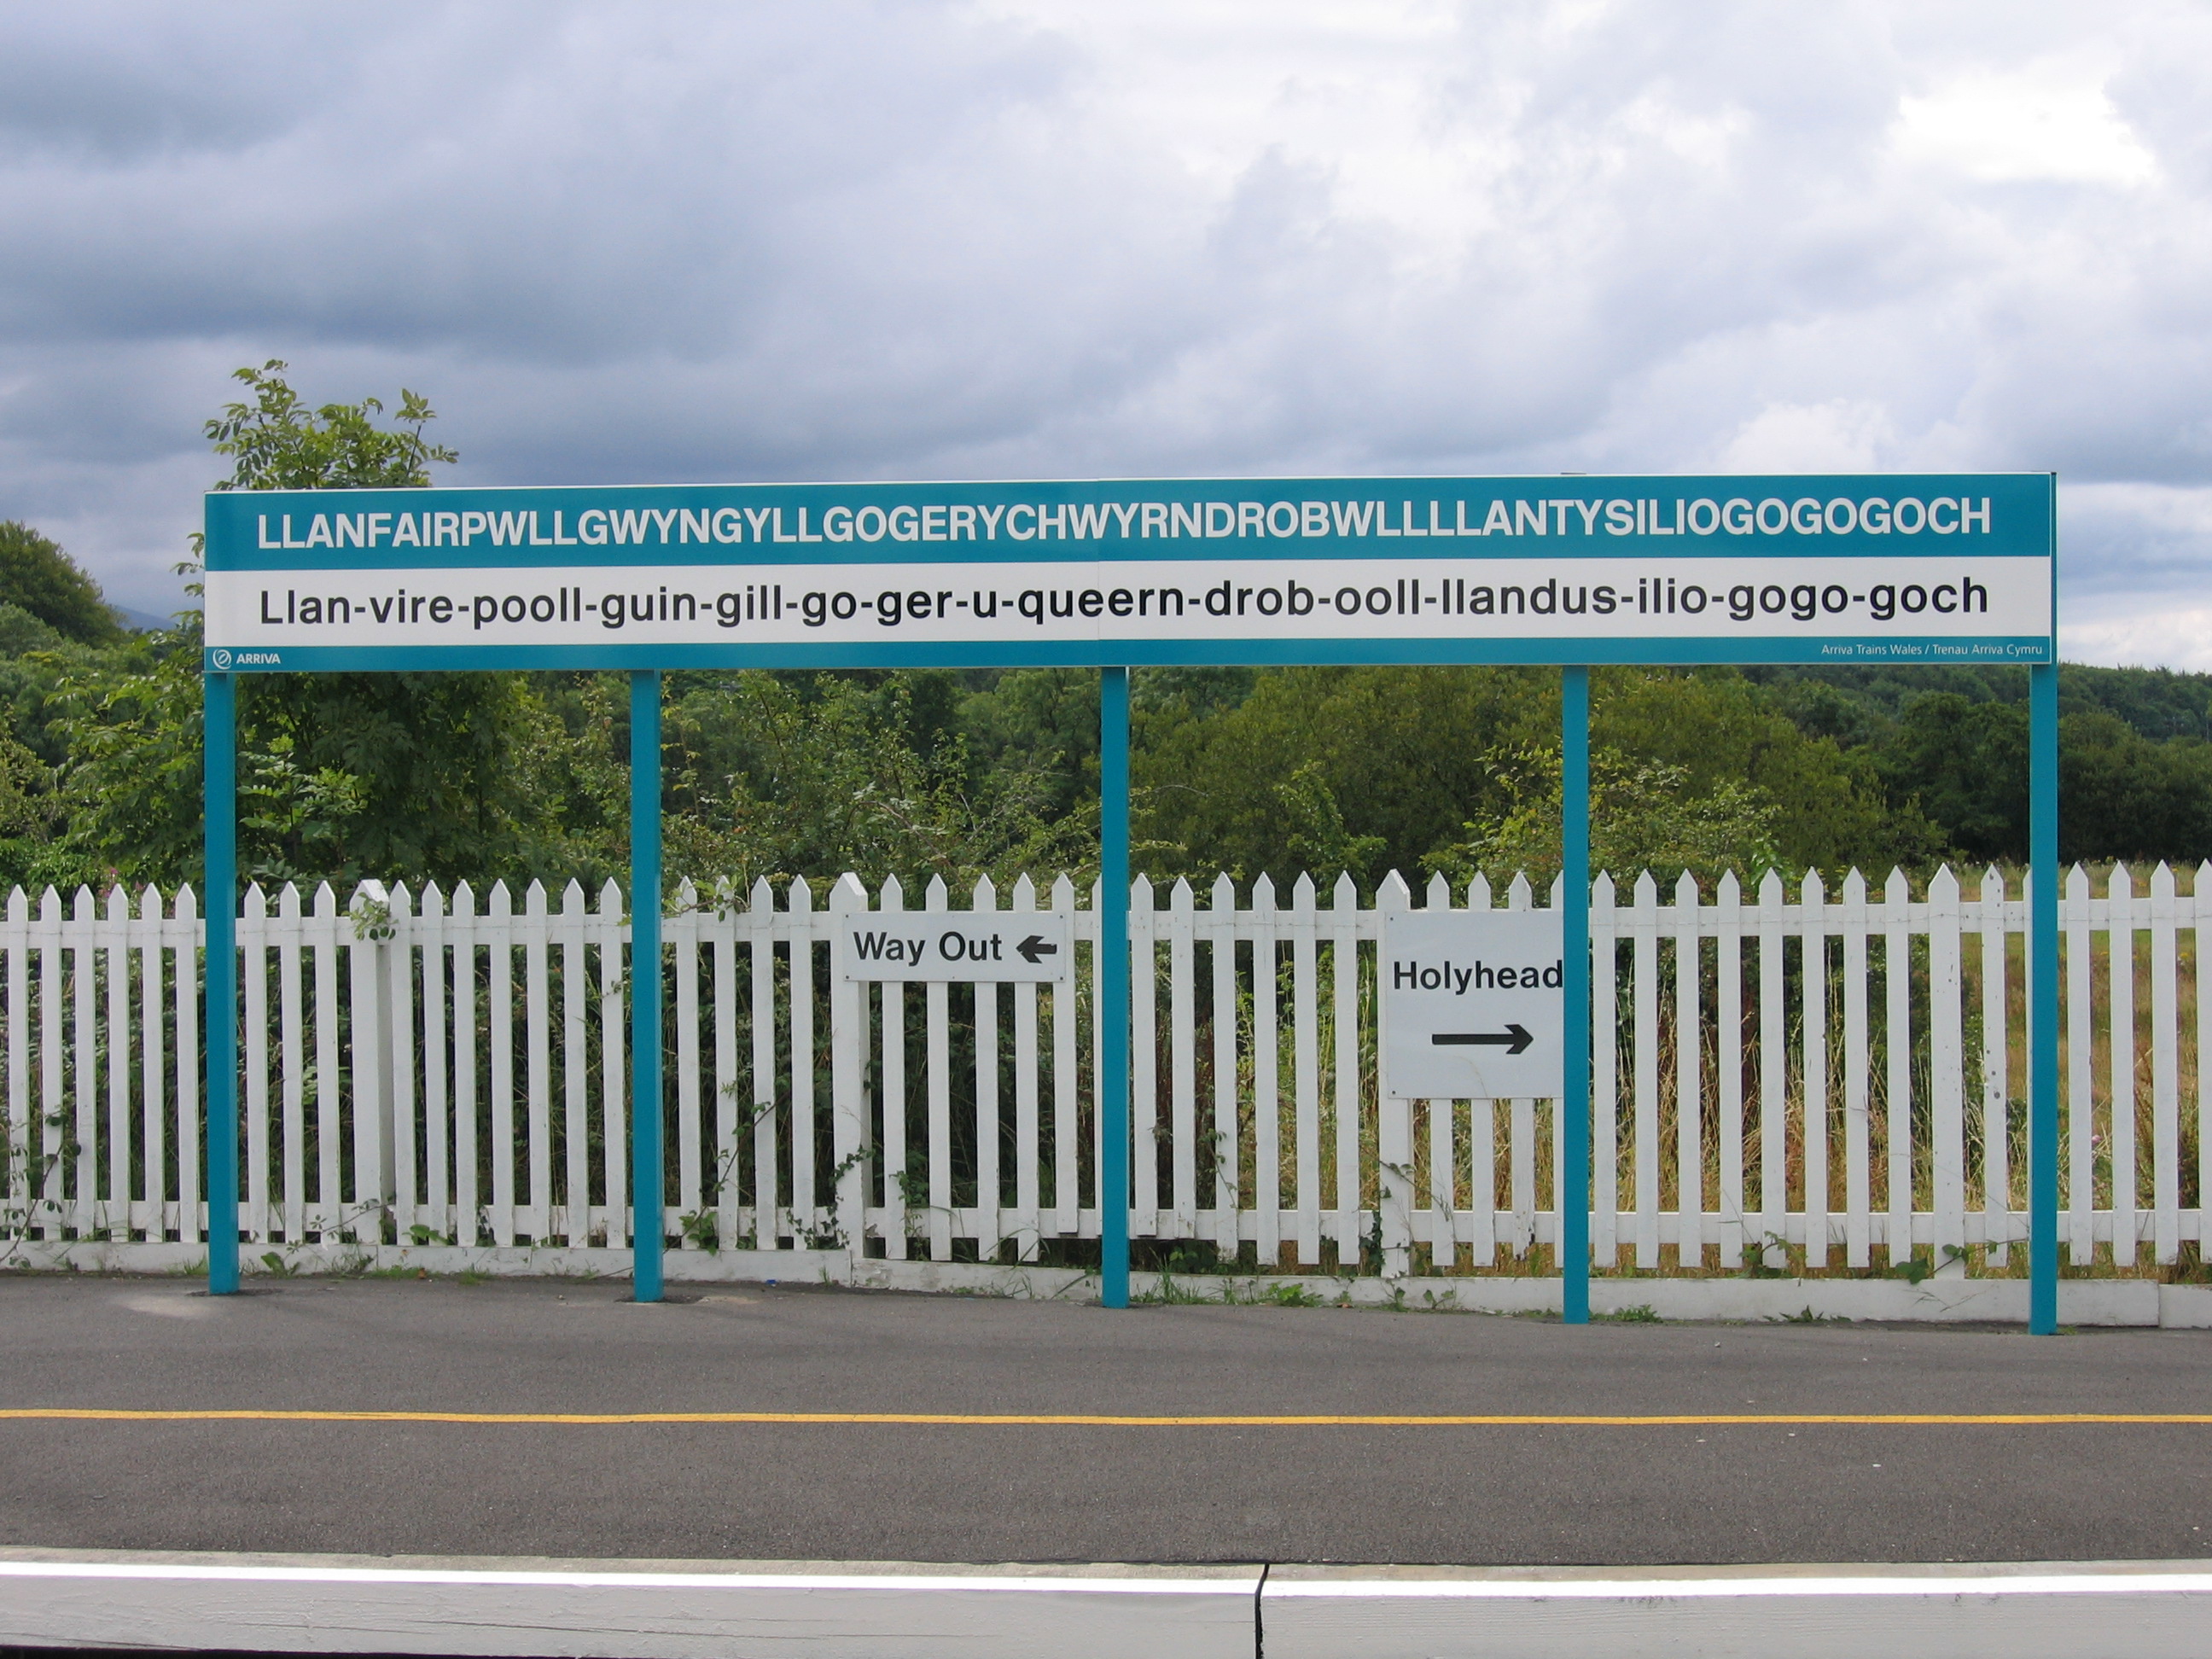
<point>1928,569</point>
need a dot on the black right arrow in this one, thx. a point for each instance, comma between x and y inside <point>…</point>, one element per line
<point>1034,947</point>
<point>1513,1039</point>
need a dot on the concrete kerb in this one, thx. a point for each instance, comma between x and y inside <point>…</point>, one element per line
<point>621,1609</point>
<point>1940,1299</point>
<point>731,1609</point>
<point>2025,1611</point>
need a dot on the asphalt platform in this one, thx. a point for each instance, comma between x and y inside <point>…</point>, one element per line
<point>1528,1494</point>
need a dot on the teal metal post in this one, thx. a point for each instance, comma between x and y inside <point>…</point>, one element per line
<point>647,1186</point>
<point>1574,892</point>
<point>1113,997</point>
<point>2043,998</point>
<point>219,790</point>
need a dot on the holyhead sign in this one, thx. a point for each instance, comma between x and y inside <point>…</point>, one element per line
<point>1473,1005</point>
<point>1932,569</point>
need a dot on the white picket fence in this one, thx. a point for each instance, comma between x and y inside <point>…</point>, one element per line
<point>439,1070</point>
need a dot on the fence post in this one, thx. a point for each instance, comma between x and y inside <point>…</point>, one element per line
<point>1574,890</point>
<point>219,786</point>
<point>1114,989</point>
<point>646,1185</point>
<point>370,1004</point>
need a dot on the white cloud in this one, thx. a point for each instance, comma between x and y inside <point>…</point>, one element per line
<point>2048,120</point>
<point>1838,436</point>
<point>2142,638</point>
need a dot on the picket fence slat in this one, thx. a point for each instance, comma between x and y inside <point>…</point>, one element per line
<point>1394,1138</point>
<point>1344,1049</point>
<point>1523,1151</point>
<point>399,963</point>
<point>849,1138</point>
<point>1067,1119</point>
<point>1947,1073</point>
<point>2081,1124</point>
<point>403,1057</point>
<point>1605,1087</point>
<point>467,1200</point>
<point>2200,915</point>
<point>1996,1098</point>
<point>153,1082</point>
<point>18,1130</point>
<point>1812,907</point>
<point>1028,1219</point>
<point>1266,1079</point>
<point>766,1188</point>
<point>1306,1026</point>
<point>938,1082</point>
<point>2165,1060</point>
<point>1645,993</point>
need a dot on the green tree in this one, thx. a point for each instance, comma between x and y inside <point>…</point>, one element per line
<point>1373,766</point>
<point>1370,770</point>
<point>783,775</point>
<point>38,578</point>
<point>1715,729</point>
<point>341,775</point>
<point>1644,815</point>
<point>2122,796</point>
<point>275,443</point>
<point>1964,764</point>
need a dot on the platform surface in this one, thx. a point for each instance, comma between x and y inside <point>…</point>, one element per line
<point>1501,1494</point>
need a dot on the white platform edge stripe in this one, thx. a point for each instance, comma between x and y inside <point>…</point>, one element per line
<point>2104,1584</point>
<point>171,1571</point>
<point>1531,1589</point>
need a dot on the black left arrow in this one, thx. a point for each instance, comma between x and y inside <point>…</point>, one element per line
<point>1513,1039</point>
<point>1033,947</point>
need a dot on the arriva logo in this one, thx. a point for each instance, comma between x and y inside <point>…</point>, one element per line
<point>221,659</point>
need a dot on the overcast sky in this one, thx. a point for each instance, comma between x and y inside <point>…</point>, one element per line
<point>823,240</point>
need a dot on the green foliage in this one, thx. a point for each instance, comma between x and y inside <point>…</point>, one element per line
<point>1042,723</point>
<point>30,813</point>
<point>1829,807</point>
<point>129,723</point>
<point>342,776</point>
<point>1643,816</point>
<point>782,775</point>
<point>26,803</point>
<point>276,443</point>
<point>39,580</point>
<point>1861,705</point>
<point>1370,767</point>
<point>2121,794</point>
<point>20,632</point>
<point>1642,1313</point>
<point>1964,763</point>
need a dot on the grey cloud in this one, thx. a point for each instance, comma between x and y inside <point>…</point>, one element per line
<point>866,240</point>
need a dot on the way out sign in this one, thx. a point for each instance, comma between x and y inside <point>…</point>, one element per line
<point>1473,1005</point>
<point>971,946</point>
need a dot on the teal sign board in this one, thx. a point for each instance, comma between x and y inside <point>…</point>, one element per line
<point>1825,569</point>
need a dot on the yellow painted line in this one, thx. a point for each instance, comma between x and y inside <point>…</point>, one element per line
<point>1100,1420</point>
